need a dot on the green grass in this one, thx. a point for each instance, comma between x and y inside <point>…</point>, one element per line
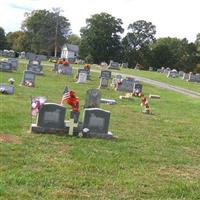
<point>155,156</point>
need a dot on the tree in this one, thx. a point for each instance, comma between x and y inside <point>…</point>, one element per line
<point>74,39</point>
<point>174,53</point>
<point>46,30</point>
<point>100,38</point>
<point>141,35</point>
<point>2,39</point>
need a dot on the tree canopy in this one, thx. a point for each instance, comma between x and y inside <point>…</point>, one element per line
<point>46,30</point>
<point>101,38</point>
<point>2,39</point>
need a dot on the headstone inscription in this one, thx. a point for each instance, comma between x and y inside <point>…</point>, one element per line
<point>96,123</point>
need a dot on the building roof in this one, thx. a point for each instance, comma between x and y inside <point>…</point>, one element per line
<point>72,47</point>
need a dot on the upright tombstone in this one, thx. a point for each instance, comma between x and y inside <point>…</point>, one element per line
<point>124,65</point>
<point>6,89</point>
<point>106,74</point>
<point>96,123</point>
<point>64,69</point>
<point>82,78</point>
<point>93,98</point>
<point>5,66</point>
<point>35,66</point>
<point>181,73</point>
<point>197,78</point>
<point>28,78</point>
<point>81,71</point>
<point>117,79</point>
<point>51,119</point>
<point>192,77</point>
<point>185,76</point>
<point>126,85</point>
<point>104,78</point>
<point>172,73</point>
<point>114,65</point>
<point>14,63</point>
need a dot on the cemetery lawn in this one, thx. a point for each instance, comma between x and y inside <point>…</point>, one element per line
<point>154,156</point>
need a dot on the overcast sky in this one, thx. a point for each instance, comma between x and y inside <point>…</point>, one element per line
<point>173,18</point>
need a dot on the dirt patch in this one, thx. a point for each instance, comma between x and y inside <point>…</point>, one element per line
<point>61,147</point>
<point>181,172</point>
<point>6,138</point>
<point>184,122</point>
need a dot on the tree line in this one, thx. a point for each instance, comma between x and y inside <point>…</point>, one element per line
<point>45,32</point>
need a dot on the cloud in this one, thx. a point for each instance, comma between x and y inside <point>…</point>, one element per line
<point>173,18</point>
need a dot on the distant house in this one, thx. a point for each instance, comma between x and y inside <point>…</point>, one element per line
<point>69,51</point>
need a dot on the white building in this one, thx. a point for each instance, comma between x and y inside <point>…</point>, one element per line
<point>69,51</point>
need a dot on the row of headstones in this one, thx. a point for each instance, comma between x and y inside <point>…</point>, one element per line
<point>8,65</point>
<point>127,84</point>
<point>51,119</point>
<point>7,53</point>
<point>114,65</point>
<point>32,56</point>
<point>185,76</point>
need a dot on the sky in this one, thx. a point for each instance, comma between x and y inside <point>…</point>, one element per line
<point>172,18</point>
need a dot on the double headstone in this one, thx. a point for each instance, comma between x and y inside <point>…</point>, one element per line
<point>51,119</point>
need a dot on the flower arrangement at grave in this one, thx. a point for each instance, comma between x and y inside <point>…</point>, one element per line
<point>70,98</point>
<point>87,66</point>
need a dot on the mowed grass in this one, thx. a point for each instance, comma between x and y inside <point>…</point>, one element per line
<point>154,156</point>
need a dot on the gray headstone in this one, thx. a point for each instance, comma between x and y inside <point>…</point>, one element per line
<point>14,63</point>
<point>191,78</point>
<point>106,74</point>
<point>172,74</point>
<point>104,82</point>
<point>93,98</point>
<point>126,85</point>
<point>6,89</point>
<point>35,68</point>
<point>51,116</point>
<point>82,78</point>
<point>5,66</point>
<point>63,69</point>
<point>28,76</point>
<point>114,65</point>
<point>185,76</point>
<point>96,121</point>
<point>124,65</point>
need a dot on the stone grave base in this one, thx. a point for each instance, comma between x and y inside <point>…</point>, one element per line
<point>38,129</point>
<point>101,136</point>
<point>65,131</point>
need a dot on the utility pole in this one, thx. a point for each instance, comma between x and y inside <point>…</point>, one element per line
<point>57,11</point>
